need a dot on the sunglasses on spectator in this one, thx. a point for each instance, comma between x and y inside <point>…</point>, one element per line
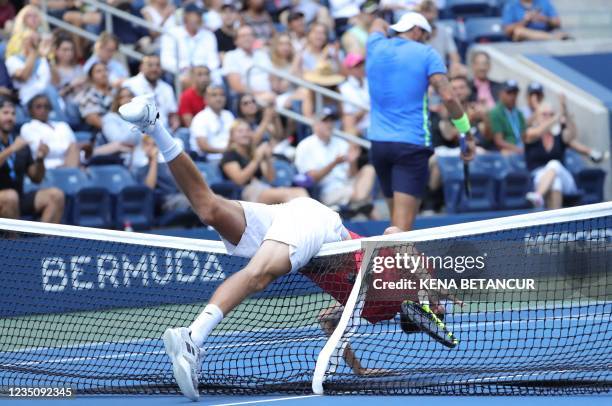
<point>45,106</point>
<point>247,102</point>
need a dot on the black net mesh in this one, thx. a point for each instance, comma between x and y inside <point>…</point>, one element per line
<point>89,314</point>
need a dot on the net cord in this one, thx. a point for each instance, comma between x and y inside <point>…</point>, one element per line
<point>216,247</point>
<point>335,340</point>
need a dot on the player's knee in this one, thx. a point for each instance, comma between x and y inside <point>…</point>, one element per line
<point>259,278</point>
<point>209,212</point>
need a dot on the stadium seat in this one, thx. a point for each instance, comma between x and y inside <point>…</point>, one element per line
<point>92,207</point>
<point>484,29</point>
<point>512,190</point>
<point>482,196</point>
<point>112,177</point>
<point>591,183</point>
<point>83,136</point>
<point>285,172</point>
<point>133,203</point>
<point>573,161</point>
<point>471,8</point>
<point>70,180</point>
<point>212,175</point>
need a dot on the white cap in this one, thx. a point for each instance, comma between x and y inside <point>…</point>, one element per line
<point>411,20</point>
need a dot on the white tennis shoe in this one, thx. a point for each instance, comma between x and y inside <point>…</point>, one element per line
<point>185,357</point>
<point>141,111</point>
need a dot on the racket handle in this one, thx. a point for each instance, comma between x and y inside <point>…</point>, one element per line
<point>463,143</point>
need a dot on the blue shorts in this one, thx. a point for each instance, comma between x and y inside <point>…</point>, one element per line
<point>401,167</point>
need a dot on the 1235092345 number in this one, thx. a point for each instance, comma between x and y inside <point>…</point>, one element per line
<point>37,392</point>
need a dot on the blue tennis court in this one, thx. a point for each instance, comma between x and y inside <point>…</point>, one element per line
<point>555,327</point>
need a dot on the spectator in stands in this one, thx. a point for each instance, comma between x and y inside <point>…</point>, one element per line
<point>535,96</point>
<point>95,101</point>
<point>264,123</point>
<point>57,135</point>
<point>192,100</point>
<point>105,49</point>
<point>157,13</point>
<point>156,175</point>
<point>545,143</point>
<point>148,81</point>
<point>532,20</point>
<point>189,45</point>
<point>226,34</point>
<point>355,119</point>
<point>16,161</point>
<point>332,163</point>
<point>399,7</point>
<point>354,39</point>
<point>6,84</point>
<point>506,122</point>
<point>477,113</point>
<point>255,15</point>
<point>29,69</point>
<point>484,89</point>
<point>67,75</point>
<point>209,130</point>
<point>237,66</point>
<point>313,11</point>
<point>442,39</point>
<point>212,16</point>
<point>250,165</point>
<point>7,14</point>
<point>323,75</point>
<point>282,57</point>
<point>29,19</point>
<point>296,26</point>
<point>75,14</point>
<point>342,11</point>
<point>118,138</point>
<point>318,49</point>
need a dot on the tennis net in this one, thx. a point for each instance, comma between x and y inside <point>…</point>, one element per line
<point>85,309</point>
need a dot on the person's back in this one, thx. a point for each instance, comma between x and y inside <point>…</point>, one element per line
<point>398,72</point>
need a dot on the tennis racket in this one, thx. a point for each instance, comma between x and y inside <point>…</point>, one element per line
<point>420,316</point>
<point>467,186</point>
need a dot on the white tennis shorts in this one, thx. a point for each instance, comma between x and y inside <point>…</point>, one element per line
<point>303,224</point>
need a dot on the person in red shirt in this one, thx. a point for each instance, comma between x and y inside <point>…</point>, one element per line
<point>192,100</point>
<point>380,305</point>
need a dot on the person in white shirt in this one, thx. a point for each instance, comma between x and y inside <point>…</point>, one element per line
<point>104,49</point>
<point>236,65</point>
<point>57,135</point>
<point>29,68</point>
<point>331,162</point>
<point>149,81</point>
<point>341,11</point>
<point>209,130</point>
<point>355,119</point>
<point>189,45</point>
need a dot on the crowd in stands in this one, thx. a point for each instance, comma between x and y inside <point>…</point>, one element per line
<point>60,94</point>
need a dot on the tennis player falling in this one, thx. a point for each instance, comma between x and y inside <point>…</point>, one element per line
<point>278,239</point>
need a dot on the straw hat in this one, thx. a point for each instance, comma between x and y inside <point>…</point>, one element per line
<point>324,75</point>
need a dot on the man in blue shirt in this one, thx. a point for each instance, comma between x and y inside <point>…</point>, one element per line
<point>531,20</point>
<point>399,71</point>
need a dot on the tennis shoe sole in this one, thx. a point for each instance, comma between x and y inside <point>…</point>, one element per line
<point>184,372</point>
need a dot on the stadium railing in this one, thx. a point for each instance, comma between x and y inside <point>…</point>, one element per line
<point>110,12</point>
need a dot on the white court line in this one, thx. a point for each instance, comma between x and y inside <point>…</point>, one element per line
<point>459,327</point>
<point>252,402</point>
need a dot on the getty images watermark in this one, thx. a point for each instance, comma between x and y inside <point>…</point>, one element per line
<point>404,267</point>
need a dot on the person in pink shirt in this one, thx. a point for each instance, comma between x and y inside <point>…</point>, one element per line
<point>484,89</point>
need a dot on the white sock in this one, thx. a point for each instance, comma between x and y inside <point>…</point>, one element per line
<point>205,323</point>
<point>167,144</point>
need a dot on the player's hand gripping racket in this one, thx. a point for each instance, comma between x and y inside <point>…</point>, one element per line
<point>420,316</point>
<point>466,166</point>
